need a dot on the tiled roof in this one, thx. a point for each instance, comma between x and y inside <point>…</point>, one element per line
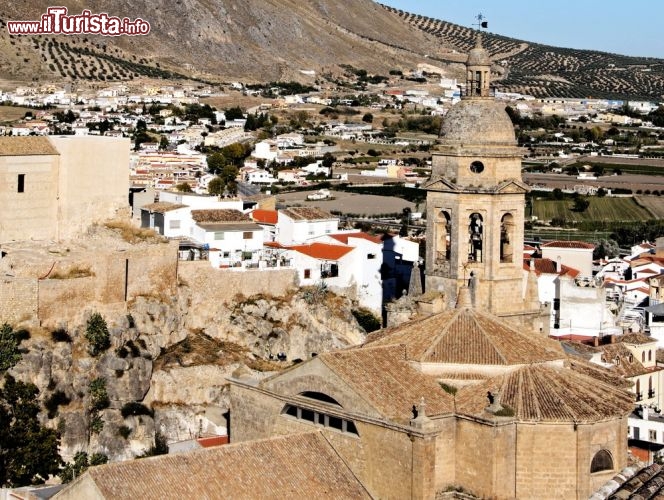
<point>307,213</point>
<point>468,336</point>
<point>265,216</point>
<point>26,146</point>
<point>162,206</point>
<point>294,466</point>
<point>229,226</point>
<point>598,372</point>
<point>384,378</point>
<point>219,215</point>
<point>546,393</point>
<point>624,362</point>
<point>322,250</point>
<point>634,483</point>
<point>548,266</point>
<point>637,339</point>
<point>569,244</point>
<point>343,238</point>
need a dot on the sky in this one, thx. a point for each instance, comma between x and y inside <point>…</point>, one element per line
<point>629,27</point>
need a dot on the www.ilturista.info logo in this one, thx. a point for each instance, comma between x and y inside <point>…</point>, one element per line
<point>57,22</point>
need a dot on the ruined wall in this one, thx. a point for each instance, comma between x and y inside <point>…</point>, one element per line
<point>222,285</point>
<point>18,299</point>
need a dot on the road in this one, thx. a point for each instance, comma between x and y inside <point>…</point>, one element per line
<point>625,181</point>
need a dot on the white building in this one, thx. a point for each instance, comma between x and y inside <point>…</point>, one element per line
<point>575,254</point>
<point>301,224</point>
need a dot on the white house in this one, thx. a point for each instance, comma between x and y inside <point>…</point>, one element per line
<point>258,176</point>
<point>547,271</point>
<point>575,254</point>
<point>300,224</point>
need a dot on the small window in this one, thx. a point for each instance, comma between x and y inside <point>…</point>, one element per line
<point>247,235</point>
<point>219,235</point>
<point>643,357</point>
<point>652,435</point>
<point>602,461</point>
<point>308,415</point>
<point>649,355</point>
<point>307,274</point>
<point>371,256</point>
<point>291,410</point>
<point>477,167</point>
<point>174,224</point>
<point>21,183</point>
<point>227,255</point>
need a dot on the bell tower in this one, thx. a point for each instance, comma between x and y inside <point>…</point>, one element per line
<point>476,201</point>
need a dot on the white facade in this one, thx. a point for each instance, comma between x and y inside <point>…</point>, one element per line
<point>291,231</point>
<point>230,244</point>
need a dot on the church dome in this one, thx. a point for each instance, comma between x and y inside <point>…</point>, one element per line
<point>478,122</point>
<point>478,57</point>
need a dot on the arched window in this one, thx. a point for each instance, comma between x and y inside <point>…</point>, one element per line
<point>319,396</point>
<point>649,355</point>
<point>475,237</point>
<point>507,238</point>
<point>443,233</point>
<point>643,357</point>
<point>638,390</point>
<point>602,461</point>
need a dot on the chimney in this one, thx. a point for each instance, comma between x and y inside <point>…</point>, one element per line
<point>559,265</point>
<point>532,264</point>
<point>595,341</point>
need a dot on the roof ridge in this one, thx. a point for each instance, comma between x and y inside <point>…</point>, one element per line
<point>343,460</point>
<point>489,340</point>
<point>528,380</point>
<point>442,333</point>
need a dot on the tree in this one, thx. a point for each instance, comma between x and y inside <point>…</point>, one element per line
<point>235,113</point>
<point>216,186</point>
<point>558,194</point>
<point>228,174</point>
<point>183,187</point>
<point>368,118</point>
<point>96,333</point>
<point>215,162</point>
<point>601,193</point>
<point>9,352</point>
<point>163,143</point>
<point>581,204</point>
<point>80,464</point>
<point>28,451</point>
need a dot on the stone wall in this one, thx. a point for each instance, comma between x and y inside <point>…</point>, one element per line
<point>18,300</point>
<point>223,285</point>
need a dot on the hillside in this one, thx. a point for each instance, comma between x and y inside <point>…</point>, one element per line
<point>545,71</point>
<point>270,40</point>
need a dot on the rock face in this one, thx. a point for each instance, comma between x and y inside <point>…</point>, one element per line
<point>168,363</point>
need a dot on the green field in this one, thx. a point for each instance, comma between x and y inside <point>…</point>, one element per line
<point>600,209</point>
<point>655,204</point>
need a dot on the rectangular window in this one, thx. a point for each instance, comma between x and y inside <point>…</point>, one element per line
<point>307,274</point>
<point>247,235</point>
<point>652,435</point>
<point>227,255</point>
<point>174,224</point>
<point>371,256</point>
<point>21,183</point>
<point>219,235</point>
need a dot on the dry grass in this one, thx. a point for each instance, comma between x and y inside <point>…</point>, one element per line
<point>133,234</point>
<point>75,271</point>
<point>199,349</point>
<point>12,113</point>
<point>264,365</point>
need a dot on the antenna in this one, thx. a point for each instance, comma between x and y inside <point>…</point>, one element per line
<point>481,23</point>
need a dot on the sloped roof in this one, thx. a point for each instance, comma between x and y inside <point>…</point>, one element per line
<point>546,393</point>
<point>598,372</point>
<point>219,215</point>
<point>322,251</point>
<point>383,377</point>
<point>548,266</point>
<point>627,365</point>
<point>569,244</point>
<point>265,216</point>
<point>634,482</point>
<point>299,465</point>
<point>26,146</point>
<point>162,206</point>
<point>468,336</point>
<point>307,213</point>
<point>343,238</point>
<point>637,339</point>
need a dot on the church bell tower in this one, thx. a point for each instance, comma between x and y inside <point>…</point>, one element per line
<point>476,200</point>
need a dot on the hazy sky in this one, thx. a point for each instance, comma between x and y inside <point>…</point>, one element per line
<point>631,27</point>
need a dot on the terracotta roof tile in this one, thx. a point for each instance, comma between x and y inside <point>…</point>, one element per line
<point>307,213</point>
<point>384,378</point>
<point>637,339</point>
<point>468,336</point>
<point>323,251</point>
<point>343,238</point>
<point>548,266</point>
<point>569,244</point>
<point>294,466</point>
<point>219,215</point>
<point>162,207</point>
<point>26,146</point>
<point>547,393</point>
<point>623,361</point>
<point>265,216</point>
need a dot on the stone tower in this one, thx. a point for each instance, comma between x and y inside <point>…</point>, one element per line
<point>475,202</point>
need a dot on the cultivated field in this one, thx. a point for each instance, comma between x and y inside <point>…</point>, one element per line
<point>600,209</point>
<point>654,204</point>
<point>12,113</point>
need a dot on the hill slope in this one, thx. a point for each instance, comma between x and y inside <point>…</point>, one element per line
<point>268,40</point>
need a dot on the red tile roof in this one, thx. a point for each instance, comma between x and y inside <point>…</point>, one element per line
<point>548,266</point>
<point>322,251</point>
<point>569,244</point>
<point>265,216</point>
<point>343,238</point>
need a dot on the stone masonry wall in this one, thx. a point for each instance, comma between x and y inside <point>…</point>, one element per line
<point>18,299</point>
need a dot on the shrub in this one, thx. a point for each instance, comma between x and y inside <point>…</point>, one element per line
<point>448,388</point>
<point>96,424</point>
<point>9,351</point>
<point>505,411</point>
<point>135,408</point>
<point>124,431</point>
<point>55,400</point>
<point>98,394</point>
<point>97,334</point>
<point>60,335</point>
<point>366,319</point>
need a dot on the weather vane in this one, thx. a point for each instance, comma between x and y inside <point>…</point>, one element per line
<point>481,23</point>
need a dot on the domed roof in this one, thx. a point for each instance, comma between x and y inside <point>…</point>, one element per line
<point>478,56</point>
<point>545,393</point>
<point>468,336</point>
<point>477,122</point>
